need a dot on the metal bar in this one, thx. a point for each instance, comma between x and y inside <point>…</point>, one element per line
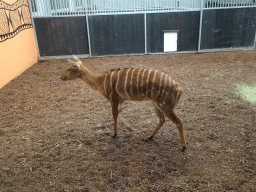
<point>62,57</point>
<point>58,6</point>
<point>142,12</point>
<point>67,8</point>
<point>34,28</point>
<point>159,53</point>
<point>40,7</point>
<point>54,7</point>
<point>227,7</point>
<point>83,6</point>
<point>145,32</point>
<point>71,7</point>
<point>117,5</point>
<point>200,28</point>
<point>255,41</point>
<point>88,33</point>
<point>61,7</point>
<point>31,8</point>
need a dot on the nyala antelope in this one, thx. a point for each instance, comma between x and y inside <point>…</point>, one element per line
<point>136,84</point>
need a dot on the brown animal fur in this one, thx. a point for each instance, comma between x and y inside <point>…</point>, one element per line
<point>136,84</point>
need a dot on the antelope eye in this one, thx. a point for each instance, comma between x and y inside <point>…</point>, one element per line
<point>69,69</point>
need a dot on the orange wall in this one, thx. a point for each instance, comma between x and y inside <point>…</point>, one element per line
<point>17,54</point>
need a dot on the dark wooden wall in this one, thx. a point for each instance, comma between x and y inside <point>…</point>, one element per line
<point>117,34</point>
<point>125,33</point>
<point>186,22</point>
<point>225,28</point>
<point>62,36</point>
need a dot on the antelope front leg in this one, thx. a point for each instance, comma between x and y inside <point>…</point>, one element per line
<point>127,125</point>
<point>115,115</point>
<point>161,118</point>
<point>161,122</point>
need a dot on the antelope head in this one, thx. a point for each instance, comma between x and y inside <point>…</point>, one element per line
<point>73,72</point>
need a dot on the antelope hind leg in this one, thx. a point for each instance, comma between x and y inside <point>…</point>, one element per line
<point>127,125</point>
<point>178,122</point>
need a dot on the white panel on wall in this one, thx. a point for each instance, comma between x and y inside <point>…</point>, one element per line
<point>170,41</point>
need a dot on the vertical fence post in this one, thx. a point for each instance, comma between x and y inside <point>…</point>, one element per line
<point>88,31</point>
<point>145,32</point>
<point>255,41</point>
<point>34,27</point>
<point>200,28</point>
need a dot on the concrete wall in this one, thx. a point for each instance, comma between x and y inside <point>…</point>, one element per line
<point>17,42</point>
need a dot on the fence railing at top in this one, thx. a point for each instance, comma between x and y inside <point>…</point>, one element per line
<point>46,8</point>
<point>229,3</point>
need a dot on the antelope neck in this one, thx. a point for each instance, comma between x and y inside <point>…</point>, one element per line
<point>89,77</point>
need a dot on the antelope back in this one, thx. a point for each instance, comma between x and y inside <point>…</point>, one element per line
<point>139,84</point>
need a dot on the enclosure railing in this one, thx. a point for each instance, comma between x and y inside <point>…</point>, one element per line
<point>46,8</point>
<point>228,3</point>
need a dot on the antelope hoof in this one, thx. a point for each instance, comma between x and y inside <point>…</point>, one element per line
<point>149,139</point>
<point>183,149</point>
<point>114,136</point>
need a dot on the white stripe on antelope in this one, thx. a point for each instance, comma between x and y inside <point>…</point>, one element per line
<point>135,84</point>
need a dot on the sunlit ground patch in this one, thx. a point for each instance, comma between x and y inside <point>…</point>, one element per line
<point>247,92</point>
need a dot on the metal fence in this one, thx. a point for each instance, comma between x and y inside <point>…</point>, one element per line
<point>228,3</point>
<point>99,30</point>
<point>46,8</point>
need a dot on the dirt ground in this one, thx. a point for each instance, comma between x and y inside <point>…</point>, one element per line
<point>55,135</point>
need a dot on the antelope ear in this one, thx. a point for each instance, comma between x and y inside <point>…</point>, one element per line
<point>74,64</point>
<point>77,60</point>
